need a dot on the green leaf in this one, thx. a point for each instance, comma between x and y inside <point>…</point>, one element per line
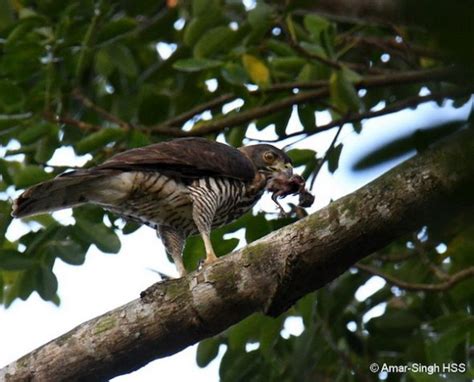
<point>46,148</point>
<point>199,25</point>
<point>98,140</point>
<point>196,64</point>
<point>333,158</point>
<point>235,137</point>
<point>343,93</point>
<point>130,227</point>
<point>123,59</point>
<point>315,25</point>
<point>207,350</point>
<point>214,41</point>
<point>201,8</point>
<point>6,19</point>
<point>35,132</point>
<point>67,250</point>
<point>103,237</point>
<point>116,28</point>
<point>307,116</point>
<point>292,64</point>
<point>261,19</point>
<point>11,96</point>
<point>153,107</point>
<point>245,331</point>
<point>14,261</point>
<point>103,63</point>
<point>234,74</point>
<point>280,48</point>
<point>300,157</point>
<point>450,331</point>
<point>138,139</point>
<point>29,175</point>
<point>47,283</point>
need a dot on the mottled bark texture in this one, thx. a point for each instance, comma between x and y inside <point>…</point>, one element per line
<point>269,275</point>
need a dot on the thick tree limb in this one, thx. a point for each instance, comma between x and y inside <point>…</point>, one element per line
<point>269,275</point>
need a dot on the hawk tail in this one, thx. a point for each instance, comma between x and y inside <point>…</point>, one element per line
<point>68,190</point>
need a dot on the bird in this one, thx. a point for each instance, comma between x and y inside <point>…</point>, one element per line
<point>181,187</point>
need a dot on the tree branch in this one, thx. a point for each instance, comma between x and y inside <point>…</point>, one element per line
<point>322,90</point>
<point>87,102</point>
<point>269,275</point>
<point>445,285</point>
<point>391,108</point>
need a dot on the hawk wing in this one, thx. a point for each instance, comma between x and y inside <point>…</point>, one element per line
<point>185,158</point>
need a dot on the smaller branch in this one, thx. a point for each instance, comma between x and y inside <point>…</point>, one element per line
<point>70,121</point>
<point>421,249</point>
<point>321,91</point>
<point>217,125</point>
<point>442,286</point>
<point>86,42</point>
<point>145,24</point>
<point>326,156</point>
<point>395,258</point>
<point>87,102</point>
<point>213,103</point>
<point>227,97</point>
<point>12,117</point>
<point>392,108</point>
<point>345,358</point>
<point>393,45</point>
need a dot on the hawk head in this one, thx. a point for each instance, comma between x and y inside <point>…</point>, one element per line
<point>268,159</point>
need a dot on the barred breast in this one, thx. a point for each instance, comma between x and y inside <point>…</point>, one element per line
<point>233,197</point>
<point>155,199</point>
<point>152,199</point>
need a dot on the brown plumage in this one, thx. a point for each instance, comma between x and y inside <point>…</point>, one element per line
<point>180,188</point>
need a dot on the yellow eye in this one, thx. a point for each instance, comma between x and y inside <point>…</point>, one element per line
<point>269,157</point>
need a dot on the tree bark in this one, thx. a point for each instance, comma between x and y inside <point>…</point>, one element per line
<point>268,275</point>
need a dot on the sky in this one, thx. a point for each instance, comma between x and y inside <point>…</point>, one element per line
<point>107,281</point>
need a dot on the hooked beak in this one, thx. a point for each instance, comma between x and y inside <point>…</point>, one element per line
<point>281,167</point>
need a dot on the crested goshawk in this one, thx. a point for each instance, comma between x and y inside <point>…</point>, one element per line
<point>180,188</point>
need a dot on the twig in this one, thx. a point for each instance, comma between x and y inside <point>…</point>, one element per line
<point>392,108</point>
<point>218,125</point>
<point>322,91</point>
<point>345,358</point>
<point>87,102</point>
<point>71,122</point>
<point>87,40</point>
<point>326,156</point>
<point>395,258</point>
<point>393,45</point>
<point>448,283</point>
<point>227,97</point>
<point>19,116</point>
<point>147,23</point>
<point>213,103</point>
<point>421,249</point>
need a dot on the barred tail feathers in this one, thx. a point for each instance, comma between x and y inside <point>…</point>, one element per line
<point>69,190</point>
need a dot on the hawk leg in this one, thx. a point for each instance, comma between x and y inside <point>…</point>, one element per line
<point>174,244</point>
<point>203,214</point>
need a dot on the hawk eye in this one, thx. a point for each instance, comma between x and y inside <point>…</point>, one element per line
<point>269,157</point>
